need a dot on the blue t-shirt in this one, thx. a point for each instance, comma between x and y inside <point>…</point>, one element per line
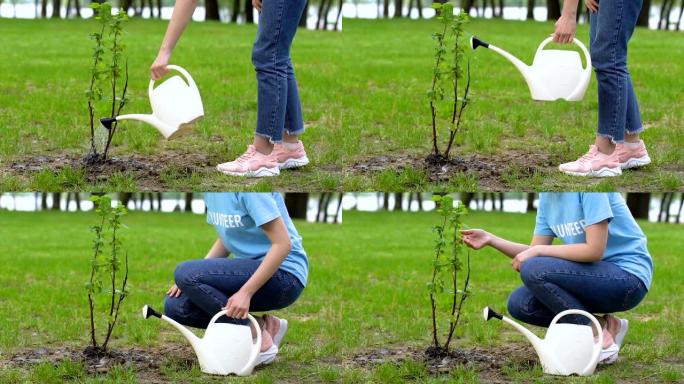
<point>238,217</point>
<point>565,215</point>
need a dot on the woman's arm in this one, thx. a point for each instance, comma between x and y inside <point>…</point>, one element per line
<point>182,13</point>
<point>217,250</point>
<point>478,238</point>
<point>591,251</point>
<point>567,23</point>
<point>238,304</point>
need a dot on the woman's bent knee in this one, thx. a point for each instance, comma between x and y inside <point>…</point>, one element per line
<point>185,274</point>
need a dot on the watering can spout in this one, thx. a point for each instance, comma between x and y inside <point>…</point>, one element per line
<point>522,67</point>
<point>148,311</point>
<point>534,339</point>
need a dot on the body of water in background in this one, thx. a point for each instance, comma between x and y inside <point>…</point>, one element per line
<point>370,11</point>
<point>369,202</point>
<point>513,204</point>
<point>30,202</point>
<point>30,11</point>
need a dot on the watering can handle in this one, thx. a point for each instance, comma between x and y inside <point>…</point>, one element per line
<point>587,56</point>
<point>256,347</point>
<point>182,71</point>
<point>598,345</point>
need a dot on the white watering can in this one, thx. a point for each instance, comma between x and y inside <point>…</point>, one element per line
<point>554,74</point>
<point>176,105</point>
<point>225,348</point>
<point>567,349</point>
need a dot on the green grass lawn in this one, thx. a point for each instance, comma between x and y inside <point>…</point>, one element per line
<point>366,291</point>
<point>363,94</point>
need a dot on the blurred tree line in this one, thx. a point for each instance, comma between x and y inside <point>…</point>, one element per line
<point>638,203</point>
<point>477,8</point>
<point>327,206</point>
<point>328,13</point>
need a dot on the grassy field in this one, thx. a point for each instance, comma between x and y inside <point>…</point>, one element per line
<point>363,94</point>
<point>366,292</point>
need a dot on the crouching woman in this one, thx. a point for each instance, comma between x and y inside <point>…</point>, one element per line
<point>268,269</point>
<point>603,265</point>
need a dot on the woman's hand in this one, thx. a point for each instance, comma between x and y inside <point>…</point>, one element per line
<point>475,238</point>
<point>565,29</point>
<point>237,306</point>
<point>257,4</point>
<point>174,291</point>
<point>158,68</point>
<point>520,258</point>
<point>592,5</point>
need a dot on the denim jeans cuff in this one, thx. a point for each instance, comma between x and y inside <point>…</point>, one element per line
<point>611,137</point>
<point>295,133</point>
<point>636,131</point>
<point>269,137</point>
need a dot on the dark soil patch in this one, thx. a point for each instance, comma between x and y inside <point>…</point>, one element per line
<point>146,362</point>
<point>487,362</point>
<point>489,170</point>
<point>146,169</point>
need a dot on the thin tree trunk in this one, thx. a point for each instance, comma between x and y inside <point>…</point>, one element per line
<point>398,8</point>
<point>466,198</point>
<point>530,202</point>
<point>642,21</point>
<point>188,202</point>
<point>398,197</point>
<point>553,9</point>
<point>297,204</point>
<point>679,211</point>
<point>305,15</point>
<point>211,10</point>
<point>419,5</point>
<point>56,9</point>
<point>530,10</point>
<point>249,12</point>
<point>638,204</point>
<point>322,202</point>
<point>339,15</point>
<point>385,201</point>
<point>665,203</point>
<point>385,9</point>
<point>236,11</point>
<point>56,201</point>
<point>339,208</point>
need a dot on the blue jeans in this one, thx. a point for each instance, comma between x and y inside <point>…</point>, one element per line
<point>553,285</point>
<point>206,285</point>
<point>610,30</point>
<point>278,106</point>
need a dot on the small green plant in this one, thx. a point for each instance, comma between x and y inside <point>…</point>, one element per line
<point>447,76</point>
<point>106,71</point>
<point>106,288</point>
<point>445,295</point>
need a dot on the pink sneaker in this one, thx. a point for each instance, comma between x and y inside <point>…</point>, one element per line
<point>251,164</point>
<point>290,158</point>
<point>593,164</point>
<point>632,155</point>
<point>276,327</point>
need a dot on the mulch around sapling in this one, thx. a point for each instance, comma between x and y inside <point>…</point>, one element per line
<point>489,363</point>
<point>146,362</point>
<point>147,170</point>
<point>489,170</point>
